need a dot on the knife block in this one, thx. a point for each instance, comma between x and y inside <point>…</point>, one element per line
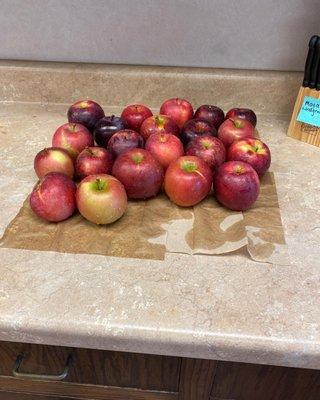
<point>299,130</point>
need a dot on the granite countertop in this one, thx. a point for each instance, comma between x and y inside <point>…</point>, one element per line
<point>215,307</point>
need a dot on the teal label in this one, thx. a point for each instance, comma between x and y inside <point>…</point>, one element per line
<point>310,111</point>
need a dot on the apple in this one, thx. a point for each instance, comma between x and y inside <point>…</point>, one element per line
<point>188,180</point>
<point>212,114</point>
<point>124,140</point>
<point>164,147</point>
<point>53,159</point>
<point>252,151</point>
<point>236,185</point>
<point>85,112</point>
<point>140,173</point>
<point>106,127</point>
<point>53,198</point>
<point>101,199</point>
<point>158,124</point>
<point>233,129</point>
<point>196,127</point>
<point>93,161</point>
<point>179,110</point>
<point>209,148</point>
<point>242,113</point>
<point>73,138</point>
<point>134,115</point>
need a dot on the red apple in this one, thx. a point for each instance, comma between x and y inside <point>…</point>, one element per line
<point>252,151</point>
<point>134,115</point>
<point>179,110</point>
<point>140,173</point>
<point>85,112</point>
<point>106,127</point>
<point>158,124</point>
<point>165,148</point>
<point>242,113</point>
<point>93,161</point>
<point>236,185</point>
<point>209,148</point>
<point>101,199</point>
<point>188,180</point>
<point>53,159</point>
<point>123,141</point>
<point>234,129</point>
<point>196,127</point>
<point>214,115</point>
<point>73,138</point>
<point>53,198</point>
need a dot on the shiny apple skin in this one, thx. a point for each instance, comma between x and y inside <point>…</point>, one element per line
<point>53,198</point>
<point>236,185</point>
<point>235,129</point>
<point>85,112</point>
<point>53,159</point>
<point>209,148</point>
<point>165,148</point>
<point>139,172</point>
<point>196,127</point>
<point>124,140</point>
<point>134,115</point>
<point>180,110</point>
<point>73,138</point>
<point>252,151</point>
<point>158,124</point>
<point>187,181</point>
<point>213,114</point>
<point>101,199</point>
<point>243,113</point>
<point>93,161</point>
<point>106,127</point>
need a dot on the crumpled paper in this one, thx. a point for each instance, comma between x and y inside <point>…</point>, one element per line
<point>150,229</point>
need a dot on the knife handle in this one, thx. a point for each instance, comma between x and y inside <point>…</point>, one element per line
<point>309,60</point>
<point>315,65</point>
<point>318,78</point>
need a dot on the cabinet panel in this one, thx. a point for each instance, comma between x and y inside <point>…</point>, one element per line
<point>95,367</point>
<point>239,381</point>
<point>196,379</point>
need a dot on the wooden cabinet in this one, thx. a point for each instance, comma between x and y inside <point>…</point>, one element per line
<point>108,375</point>
<point>239,381</point>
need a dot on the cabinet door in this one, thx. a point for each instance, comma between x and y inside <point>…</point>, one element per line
<point>238,381</point>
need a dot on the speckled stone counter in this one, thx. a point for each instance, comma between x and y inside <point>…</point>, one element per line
<point>217,307</point>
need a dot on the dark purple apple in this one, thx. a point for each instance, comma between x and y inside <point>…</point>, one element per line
<point>106,127</point>
<point>212,114</point>
<point>124,140</point>
<point>196,127</point>
<point>243,113</point>
<point>85,112</point>
<point>236,185</point>
<point>209,148</point>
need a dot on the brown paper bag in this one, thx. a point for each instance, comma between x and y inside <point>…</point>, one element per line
<point>150,229</point>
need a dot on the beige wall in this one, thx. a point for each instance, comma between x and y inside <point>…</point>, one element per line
<point>267,34</point>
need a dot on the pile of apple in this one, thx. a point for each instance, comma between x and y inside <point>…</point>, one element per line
<point>137,154</point>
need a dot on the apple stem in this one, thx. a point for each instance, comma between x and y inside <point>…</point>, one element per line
<point>159,121</point>
<point>238,124</point>
<point>189,166</point>
<point>100,185</point>
<point>73,127</point>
